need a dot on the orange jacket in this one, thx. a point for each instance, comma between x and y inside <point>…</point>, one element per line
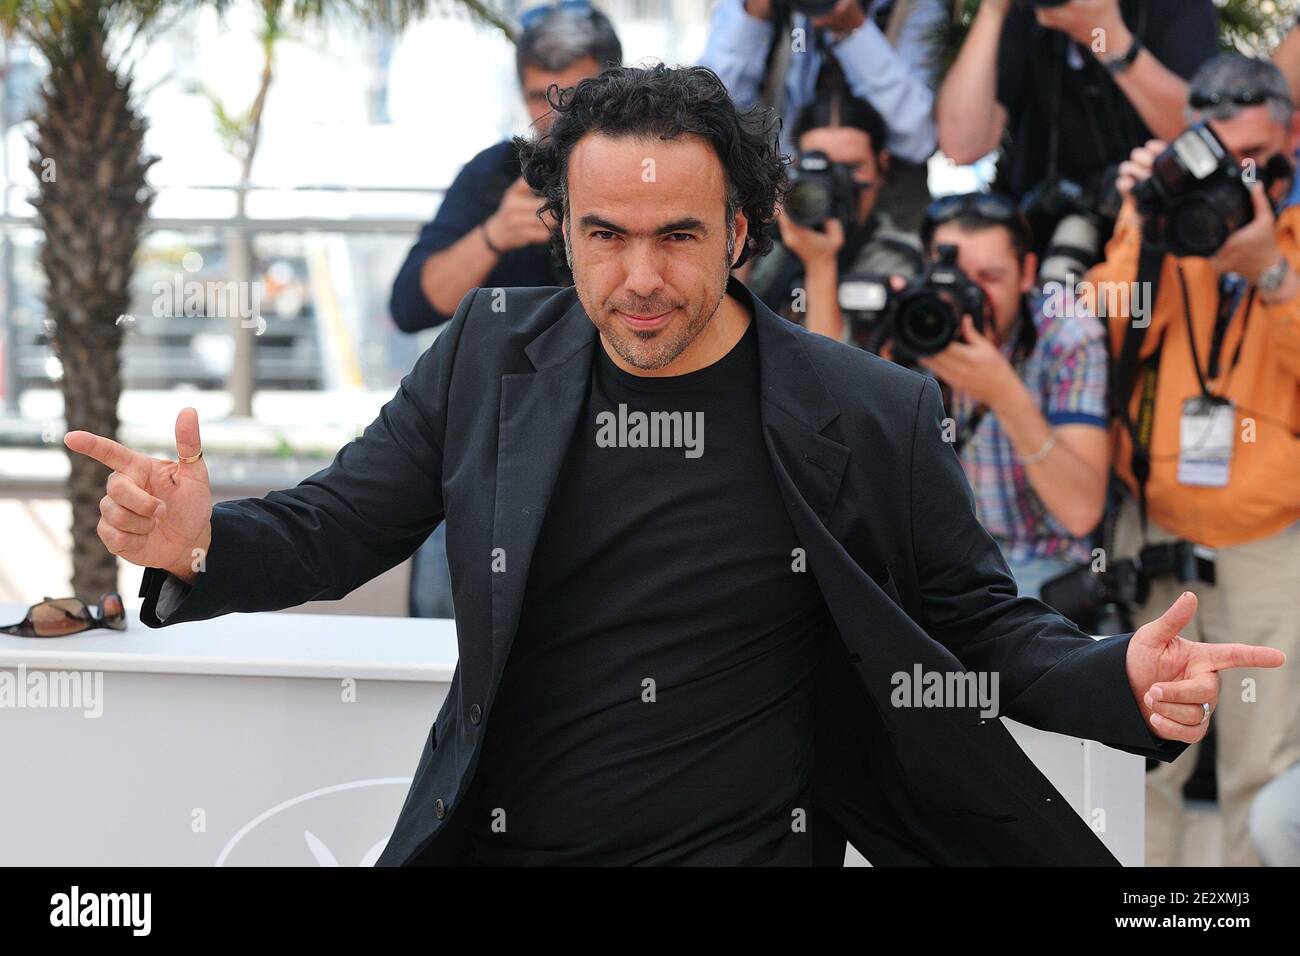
<point>1263,492</point>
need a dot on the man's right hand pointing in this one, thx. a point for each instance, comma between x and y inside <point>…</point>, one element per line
<point>157,513</point>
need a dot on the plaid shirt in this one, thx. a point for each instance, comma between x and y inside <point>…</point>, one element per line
<point>1067,372</point>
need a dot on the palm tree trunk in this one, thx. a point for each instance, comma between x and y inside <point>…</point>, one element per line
<point>92,202</point>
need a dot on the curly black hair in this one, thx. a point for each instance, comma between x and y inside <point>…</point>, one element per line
<point>666,102</point>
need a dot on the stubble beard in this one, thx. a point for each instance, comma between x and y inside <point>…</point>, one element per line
<point>653,350</point>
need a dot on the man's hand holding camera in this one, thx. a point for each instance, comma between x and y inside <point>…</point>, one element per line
<point>515,223</point>
<point>817,249</point>
<point>1253,248</point>
<point>976,368</point>
<point>1249,251</point>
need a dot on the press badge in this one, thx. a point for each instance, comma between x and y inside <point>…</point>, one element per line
<point>1205,439</point>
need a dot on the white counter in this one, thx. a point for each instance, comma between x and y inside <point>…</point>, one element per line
<point>288,739</point>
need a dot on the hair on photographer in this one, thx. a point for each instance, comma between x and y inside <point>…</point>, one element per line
<point>1074,86</point>
<point>1207,397</point>
<point>774,51</point>
<point>829,223</point>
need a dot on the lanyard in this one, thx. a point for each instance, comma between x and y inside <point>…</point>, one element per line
<point>1226,309</point>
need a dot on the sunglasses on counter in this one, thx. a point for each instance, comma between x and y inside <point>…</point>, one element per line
<point>59,617</point>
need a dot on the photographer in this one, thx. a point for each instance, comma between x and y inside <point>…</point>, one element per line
<point>1076,85</point>
<point>487,232</point>
<point>800,277</point>
<point>1207,399</point>
<point>1027,394</point>
<point>775,51</point>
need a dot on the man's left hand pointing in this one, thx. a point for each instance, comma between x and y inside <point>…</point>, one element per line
<point>1172,678</point>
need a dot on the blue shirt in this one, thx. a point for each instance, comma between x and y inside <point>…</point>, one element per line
<point>897,82</point>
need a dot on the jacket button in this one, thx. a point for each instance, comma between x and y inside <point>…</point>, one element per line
<point>475,713</point>
<point>440,808</point>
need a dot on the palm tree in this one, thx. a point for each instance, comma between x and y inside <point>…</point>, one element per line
<point>93,200</point>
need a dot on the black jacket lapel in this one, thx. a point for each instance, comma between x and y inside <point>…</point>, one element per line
<point>539,411</point>
<point>795,407</point>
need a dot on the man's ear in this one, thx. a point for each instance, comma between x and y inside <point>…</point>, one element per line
<point>1028,272</point>
<point>740,228</point>
<point>882,164</point>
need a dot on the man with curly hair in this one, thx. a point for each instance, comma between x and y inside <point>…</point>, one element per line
<point>693,547</point>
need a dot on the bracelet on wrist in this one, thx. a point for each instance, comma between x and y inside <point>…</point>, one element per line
<point>487,240</point>
<point>1042,453</point>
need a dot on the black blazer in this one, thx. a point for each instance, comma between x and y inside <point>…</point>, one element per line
<point>477,432</point>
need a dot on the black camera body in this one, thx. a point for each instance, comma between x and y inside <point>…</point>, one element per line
<point>1082,594</point>
<point>922,319</point>
<point>821,190</point>
<point>1196,196</point>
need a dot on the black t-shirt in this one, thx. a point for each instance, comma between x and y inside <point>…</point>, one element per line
<point>656,706</point>
<point>1098,125</point>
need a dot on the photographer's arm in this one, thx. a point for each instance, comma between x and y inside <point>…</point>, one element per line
<point>1180,35</point>
<point>969,118</point>
<point>1070,476</point>
<point>818,250</point>
<point>1287,59</point>
<point>823,290</point>
<point>1157,93</point>
<point>1063,447</point>
<point>739,35</point>
<point>897,82</point>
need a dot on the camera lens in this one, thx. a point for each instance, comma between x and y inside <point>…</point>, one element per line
<point>926,324</point>
<point>808,203</point>
<point>1195,227</point>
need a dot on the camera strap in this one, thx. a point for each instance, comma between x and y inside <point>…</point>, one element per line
<point>1229,299</point>
<point>1125,375</point>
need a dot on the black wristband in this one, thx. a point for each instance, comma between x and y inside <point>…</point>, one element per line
<point>487,241</point>
<point>1121,64</point>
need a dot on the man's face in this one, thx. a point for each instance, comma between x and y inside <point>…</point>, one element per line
<point>647,238</point>
<point>988,257</point>
<point>537,81</point>
<point>1254,136</point>
<point>843,144</point>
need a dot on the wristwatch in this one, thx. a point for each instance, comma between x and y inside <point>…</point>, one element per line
<point>1271,279</point>
<point>1120,64</point>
